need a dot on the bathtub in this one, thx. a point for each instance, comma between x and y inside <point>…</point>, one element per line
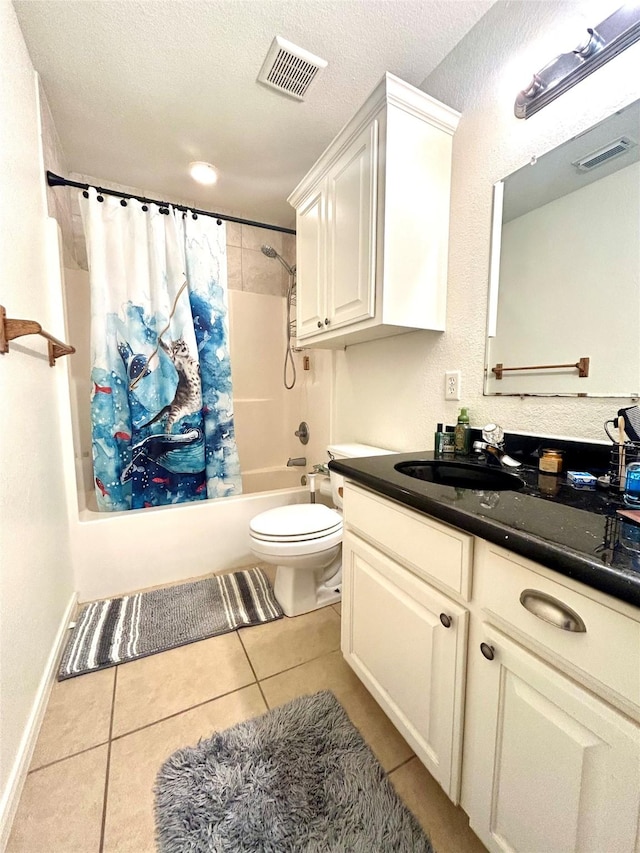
<point>118,552</point>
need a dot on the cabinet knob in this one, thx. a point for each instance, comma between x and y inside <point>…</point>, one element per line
<point>487,651</point>
<point>446,620</point>
<point>326,321</point>
<point>319,324</point>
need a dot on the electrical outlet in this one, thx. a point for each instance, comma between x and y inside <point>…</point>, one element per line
<point>452,385</point>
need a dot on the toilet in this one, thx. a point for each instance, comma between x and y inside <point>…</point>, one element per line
<point>304,541</point>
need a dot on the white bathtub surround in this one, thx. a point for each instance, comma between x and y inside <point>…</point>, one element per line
<point>118,552</point>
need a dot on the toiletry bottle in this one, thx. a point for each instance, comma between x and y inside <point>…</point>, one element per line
<point>462,438</point>
<point>437,440</point>
<point>632,485</point>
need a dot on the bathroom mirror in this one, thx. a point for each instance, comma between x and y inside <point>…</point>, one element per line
<point>564,290</point>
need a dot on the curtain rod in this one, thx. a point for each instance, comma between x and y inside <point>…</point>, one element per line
<point>58,181</point>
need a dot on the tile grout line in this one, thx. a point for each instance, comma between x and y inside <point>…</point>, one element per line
<point>182,711</point>
<point>108,768</point>
<point>66,757</point>
<point>302,663</point>
<point>398,766</point>
<point>246,654</point>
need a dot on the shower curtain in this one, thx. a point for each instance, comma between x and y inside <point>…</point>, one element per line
<point>162,404</point>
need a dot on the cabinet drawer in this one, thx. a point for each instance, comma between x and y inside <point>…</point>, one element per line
<point>606,652</point>
<point>431,549</point>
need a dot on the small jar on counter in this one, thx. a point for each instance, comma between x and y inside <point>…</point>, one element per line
<point>550,461</point>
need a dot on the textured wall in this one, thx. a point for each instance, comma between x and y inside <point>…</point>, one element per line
<point>35,574</point>
<point>391,392</point>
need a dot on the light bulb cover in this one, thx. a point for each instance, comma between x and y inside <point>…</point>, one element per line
<point>203,173</point>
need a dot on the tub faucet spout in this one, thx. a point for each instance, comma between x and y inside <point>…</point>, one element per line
<point>297,462</point>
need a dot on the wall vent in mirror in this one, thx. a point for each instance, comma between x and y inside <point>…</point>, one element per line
<point>599,44</point>
<point>603,155</point>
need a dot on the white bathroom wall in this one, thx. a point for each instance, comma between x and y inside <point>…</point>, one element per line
<point>36,583</point>
<point>391,392</point>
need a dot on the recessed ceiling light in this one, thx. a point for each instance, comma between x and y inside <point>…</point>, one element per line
<point>203,173</point>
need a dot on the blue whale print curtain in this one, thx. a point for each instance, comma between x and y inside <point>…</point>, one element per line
<point>162,403</point>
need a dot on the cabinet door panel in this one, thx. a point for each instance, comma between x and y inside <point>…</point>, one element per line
<point>311,306</point>
<point>558,769</point>
<point>351,221</point>
<point>412,664</point>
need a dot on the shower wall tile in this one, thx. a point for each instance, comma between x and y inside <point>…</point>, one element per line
<point>289,248</point>
<point>257,345</point>
<point>234,267</point>
<point>261,274</point>
<point>259,427</point>
<point>234,234</point>
<point>80,244</point>
<point>254,237</point>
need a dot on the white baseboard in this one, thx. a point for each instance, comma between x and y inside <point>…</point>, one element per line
<point>15,782</point>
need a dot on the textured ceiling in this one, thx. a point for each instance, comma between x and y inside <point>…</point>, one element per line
<point>140,89</point>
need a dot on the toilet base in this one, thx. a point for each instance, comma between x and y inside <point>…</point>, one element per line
<point>302,590</point>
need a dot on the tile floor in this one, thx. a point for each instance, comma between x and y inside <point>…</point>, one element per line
<point>105,735</point>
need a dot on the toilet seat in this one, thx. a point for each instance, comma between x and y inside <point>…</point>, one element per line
<point>296,523</point>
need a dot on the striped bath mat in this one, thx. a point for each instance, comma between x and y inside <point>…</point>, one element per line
<point>117,630</point>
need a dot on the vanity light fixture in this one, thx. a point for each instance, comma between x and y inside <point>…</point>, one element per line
<point>203,173</point>
<point>600,44</point>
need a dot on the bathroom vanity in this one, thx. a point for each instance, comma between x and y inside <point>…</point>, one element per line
<point>500,632</point>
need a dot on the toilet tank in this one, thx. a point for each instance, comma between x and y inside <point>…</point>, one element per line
<point>349,451</point>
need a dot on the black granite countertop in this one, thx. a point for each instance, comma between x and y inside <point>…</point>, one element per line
<point>575,532</point>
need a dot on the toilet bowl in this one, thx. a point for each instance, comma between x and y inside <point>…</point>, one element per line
<point>304,542</point>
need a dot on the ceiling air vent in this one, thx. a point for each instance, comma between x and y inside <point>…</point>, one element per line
<point>290,69</point>
<point>602,155</point>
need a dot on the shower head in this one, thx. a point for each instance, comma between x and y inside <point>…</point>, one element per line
<point>270,252</point>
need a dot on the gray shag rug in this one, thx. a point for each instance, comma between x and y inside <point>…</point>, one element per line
<point>298,778</point>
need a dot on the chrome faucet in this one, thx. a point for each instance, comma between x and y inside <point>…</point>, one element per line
<point>297,462</point>
<point>493,446</point>
<point>498,453</point>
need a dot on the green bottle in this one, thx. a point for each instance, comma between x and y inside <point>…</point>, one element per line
<point>462,439</point>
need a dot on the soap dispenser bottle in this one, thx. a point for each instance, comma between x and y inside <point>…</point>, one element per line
<point>462,440</point>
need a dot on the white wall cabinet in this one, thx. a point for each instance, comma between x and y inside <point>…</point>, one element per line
<point>372,220</point>
<point>550,759</point>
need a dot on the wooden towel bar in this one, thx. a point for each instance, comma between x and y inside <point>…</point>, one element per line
<point>10,329</point>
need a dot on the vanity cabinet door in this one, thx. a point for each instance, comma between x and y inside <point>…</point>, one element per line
<point>549,767</point>
<point>407,642</point>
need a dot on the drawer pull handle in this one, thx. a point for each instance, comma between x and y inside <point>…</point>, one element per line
<point>550,610</point>
<point>446,620</point>
<point>487,650</point>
